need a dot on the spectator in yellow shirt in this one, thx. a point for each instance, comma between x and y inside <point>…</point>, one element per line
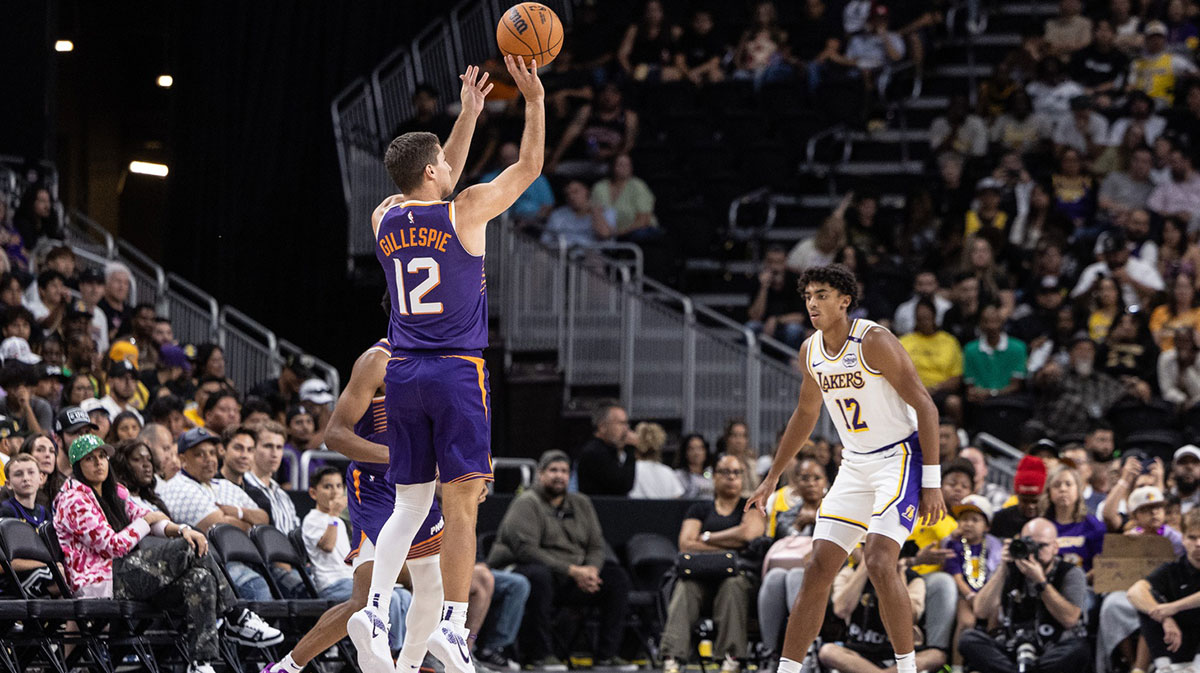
<point>938,358</point>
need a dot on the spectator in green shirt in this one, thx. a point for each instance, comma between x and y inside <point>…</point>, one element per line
<point>993,364</point>
<point>630,199</point>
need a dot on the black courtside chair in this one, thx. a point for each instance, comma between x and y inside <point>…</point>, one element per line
<point>232,545</point>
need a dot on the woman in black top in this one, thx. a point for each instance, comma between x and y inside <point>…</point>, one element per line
<point>717,526</point>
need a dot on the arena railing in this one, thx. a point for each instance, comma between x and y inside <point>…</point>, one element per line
<point>611,326</point>
<point>254,353</point>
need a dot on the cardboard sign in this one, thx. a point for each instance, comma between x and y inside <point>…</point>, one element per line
<point>1127,559</point>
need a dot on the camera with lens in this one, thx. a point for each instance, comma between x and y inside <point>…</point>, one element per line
<point>1023,548</point>
<point>1025,644</point>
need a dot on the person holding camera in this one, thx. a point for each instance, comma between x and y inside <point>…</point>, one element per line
<point>1034,603</point>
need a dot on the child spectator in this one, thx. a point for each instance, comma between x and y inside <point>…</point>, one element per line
<point>958,481</point>
<point>1148,514</point>
<point>24,479</point>
<point>976,554</point>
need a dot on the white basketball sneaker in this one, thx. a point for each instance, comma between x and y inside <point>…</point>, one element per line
<point>369,633</point>
<point>451,648</point>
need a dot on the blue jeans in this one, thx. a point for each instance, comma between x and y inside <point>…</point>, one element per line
<point>506,612</point>
<point>291,585</point>
<point>247,583</point>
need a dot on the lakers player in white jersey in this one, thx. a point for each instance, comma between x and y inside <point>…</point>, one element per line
<point>889,476</point>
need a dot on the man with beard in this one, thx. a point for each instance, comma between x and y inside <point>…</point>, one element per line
<point>144,317</point>
<point>925,286</point>
<point>1072,397</point>
<point>1185,473</point>
<point>554,539</point>
<point>1179,196</point>
<point>1028,484</point>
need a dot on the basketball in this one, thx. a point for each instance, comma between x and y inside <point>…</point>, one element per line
<point>530,30</point>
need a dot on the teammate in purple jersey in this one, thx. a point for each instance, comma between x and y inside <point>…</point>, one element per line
<point>371,501</point>
<point>431,251</point>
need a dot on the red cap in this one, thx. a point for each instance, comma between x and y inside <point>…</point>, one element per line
<point>1031,476</point>
<point>879,9</point>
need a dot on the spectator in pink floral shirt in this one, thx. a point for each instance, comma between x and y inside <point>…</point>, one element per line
<point>99,528</point>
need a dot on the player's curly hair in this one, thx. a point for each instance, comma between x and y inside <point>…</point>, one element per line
<point>837,276</point>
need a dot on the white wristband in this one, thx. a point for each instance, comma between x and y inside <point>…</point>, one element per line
<point>931,476</point>
<point>241,513</point>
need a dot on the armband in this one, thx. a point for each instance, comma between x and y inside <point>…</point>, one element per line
<point>931,476</point>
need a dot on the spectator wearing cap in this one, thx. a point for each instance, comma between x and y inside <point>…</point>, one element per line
<point>1068,32</point>
<point>18,380</point>
<point>976,554</point>
<point>11,439</point>
<point>267,457</point>
<point>1166,604</point>
<point>91,291</point>
<point>196,497</point>
<point>1185,476</point>
<point>1137,280</point>
<point>52,296</point>
<point>986,217</point>
<point>122,389</point>
<point>301,428</point>
<point>317,397</point>
<point>959,130</point>
<point>1136,471</point>
<point>284,392</point>
<point>1148,515</point>
<point>1028,484</point>
<point>1084,129</point>
<point>172,374</point>
<point>118,283</point>
<point>99,415</point>
<point>17,349</point>
<point>554,539</point>
<point>1157,70</point>
<point>221,410</point>
<point>1178,197</point>
<point>78,317</point>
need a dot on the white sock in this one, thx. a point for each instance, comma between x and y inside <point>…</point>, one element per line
<point>424,614</point>
<point>455,613</point>
<point>395,539</point>
<point>1162,663</point>
<point>906,663</point>
<point>288,664</point>
<point>788,666</point>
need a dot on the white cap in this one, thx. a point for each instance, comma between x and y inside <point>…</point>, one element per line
<point>16,348</point>
<point>975,503</point>
<point>92,404</point>
<point>1187,450</point>
<point>1143,496</point>
<point>316,391</point>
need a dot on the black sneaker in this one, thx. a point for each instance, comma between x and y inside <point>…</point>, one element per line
<point>495,660</point>
<point>550,664</point>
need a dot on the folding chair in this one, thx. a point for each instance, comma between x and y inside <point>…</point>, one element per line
<point>231,545</point>
<point>126,626</point>
<point>44,620</point>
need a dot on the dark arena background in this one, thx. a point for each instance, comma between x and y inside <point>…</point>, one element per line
<point>187,274</point>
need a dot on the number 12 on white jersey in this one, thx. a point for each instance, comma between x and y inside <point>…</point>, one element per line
<point>414,303</point>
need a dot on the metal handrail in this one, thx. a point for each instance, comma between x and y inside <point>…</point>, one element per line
<point>91,227</point>
<point>810,148</point>
<point>749,197</point>
<point>174,281</point>
<point>338,137</point>
<point>526,466</point>
<point>330,372</point>
<point>306,459</point>
<point>244,321</point>
<point>996,445</point>
<point>127,250</point>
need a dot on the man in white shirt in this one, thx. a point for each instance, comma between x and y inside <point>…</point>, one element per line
<point>122,386</point>
<point>1180,195</point>
<point>197,498</point>
<point>1137,279</point>
<point>1141,113</point>
<point>268,454</point>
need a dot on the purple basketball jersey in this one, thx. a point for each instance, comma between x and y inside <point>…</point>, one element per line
<point>438,290</point>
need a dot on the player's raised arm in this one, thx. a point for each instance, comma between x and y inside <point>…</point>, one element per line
<point>351,405</point>
<point>480,203</point>
<point>799,428</point>
<point>474,90</point>
<point>885,354</point>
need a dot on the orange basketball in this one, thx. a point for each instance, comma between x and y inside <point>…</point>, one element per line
<point>530,30</point>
